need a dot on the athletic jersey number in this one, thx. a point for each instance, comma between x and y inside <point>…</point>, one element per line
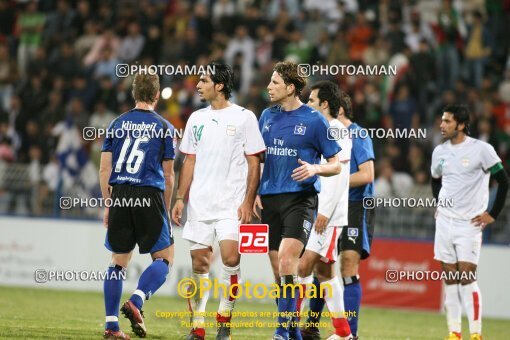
<point>132,165</point>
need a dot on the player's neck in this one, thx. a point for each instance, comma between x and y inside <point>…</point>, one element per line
<point>144,106</point>
<point>220,103</point>
<point>345,121</point>
<point>328,117</point>
<point>290,104</point>
<point>458,139</point>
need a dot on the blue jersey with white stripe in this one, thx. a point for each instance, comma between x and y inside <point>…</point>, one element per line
<point>289,136</point>
<point>362,151</point>
<point>139,141</point>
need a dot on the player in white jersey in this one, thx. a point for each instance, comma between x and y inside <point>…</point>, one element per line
<point>222,144</point>
<point>461,168</point>
<point>321,249</point>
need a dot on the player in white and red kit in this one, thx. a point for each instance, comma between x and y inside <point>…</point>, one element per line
<point>222,143</point>
<point>461,168</point>
<point>321,250</point>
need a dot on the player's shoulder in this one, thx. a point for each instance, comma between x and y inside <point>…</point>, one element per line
<point>479,144</point>
<point>243,112</point>
<point>162,120</point>
<point>200,113</point>
<point>120,118</point>
<point>272,110</point>
<point>441,146</point>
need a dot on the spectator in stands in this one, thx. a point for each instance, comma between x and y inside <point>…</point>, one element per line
<point>477,50</point>
<point>132,44</point>
<point>391,183</point>
<point>31,24</point>
<point>107,40</point>
<point>102,117</point>
<point>8,76</point>
<point>359,37</point>
<point>448,38</point>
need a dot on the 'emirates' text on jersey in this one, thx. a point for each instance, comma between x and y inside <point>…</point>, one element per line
<point>136,156</point>
<point>289,136</point>
<point>464,172</point>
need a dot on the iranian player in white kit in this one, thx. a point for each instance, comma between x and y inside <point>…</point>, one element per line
<point>321,249</point>
<point>461,168</point>
<point>222,143</point>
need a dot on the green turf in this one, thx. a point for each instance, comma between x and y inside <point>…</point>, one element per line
<point>55,314</point>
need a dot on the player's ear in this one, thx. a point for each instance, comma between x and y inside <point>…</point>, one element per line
<point>219,87</point>
<point>290,89</point>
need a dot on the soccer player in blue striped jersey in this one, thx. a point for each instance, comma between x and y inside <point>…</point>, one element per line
<point>137,163</point>
<point>296,136</point>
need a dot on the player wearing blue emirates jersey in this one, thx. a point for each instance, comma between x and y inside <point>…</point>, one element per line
<point>137,164</point>
<point>356,238</point>
<point>295,136</point>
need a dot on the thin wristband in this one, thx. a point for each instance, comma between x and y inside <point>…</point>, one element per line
<point>179,198</point>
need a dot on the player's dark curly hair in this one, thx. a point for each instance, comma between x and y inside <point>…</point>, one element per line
<point>328,91</point>
<point>222,74</point>
<point>289,73</point>
<point>145,87</point>
<point>346,104</point>
<point>460,114</point>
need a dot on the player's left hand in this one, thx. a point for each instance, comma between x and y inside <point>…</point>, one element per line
<point>321,223</point>
<point>244,212</point>
<point>305,171</point>
<point>105,217</point>
<point>483,220</point>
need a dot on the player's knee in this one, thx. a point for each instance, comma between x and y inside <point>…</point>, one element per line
<point>200,264</point>
<point>285,264</point>
<point>231,261</point>
<point>349,267</point>
<point>322,277</point>
<point>302,272</point>
<point>466,281</point>
<point>451,282</point>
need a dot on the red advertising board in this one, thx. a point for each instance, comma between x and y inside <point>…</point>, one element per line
<point>401,274</point>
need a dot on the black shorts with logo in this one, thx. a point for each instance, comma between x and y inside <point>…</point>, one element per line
<point>358,234</point>
<point>289,215</point>
<point>137,223</point>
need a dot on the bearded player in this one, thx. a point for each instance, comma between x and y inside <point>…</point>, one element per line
<point>461,169</point>
<point>222,144</point>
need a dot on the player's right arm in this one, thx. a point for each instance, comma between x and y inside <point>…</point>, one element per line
<point>363,152</point>
<point>436,174</point>
<point>185,178</point>
<point>363,176</point>
<point>188,147</point>
<point>105,170</point>
<point>168,173</point>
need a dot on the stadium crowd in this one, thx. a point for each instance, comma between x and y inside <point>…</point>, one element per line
<point>58,70</point>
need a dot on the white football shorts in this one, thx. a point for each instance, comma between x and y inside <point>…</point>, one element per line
<point>457,240</point>
<point>201,234</point>
<point>325,244</point>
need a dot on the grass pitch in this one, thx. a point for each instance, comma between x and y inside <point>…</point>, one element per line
<point>55,314</point>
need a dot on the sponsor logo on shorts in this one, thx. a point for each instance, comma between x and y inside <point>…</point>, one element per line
<point>307,226</point>
<point>352,234</point>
